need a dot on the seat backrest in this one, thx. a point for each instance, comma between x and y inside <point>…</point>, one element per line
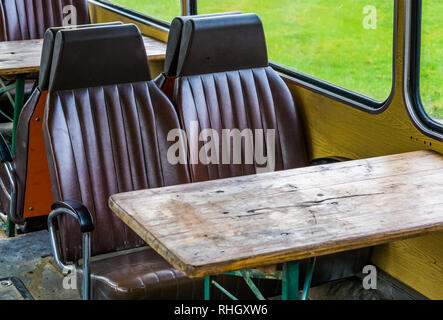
<point>224,82</point>
<point>34,196</point>
<point>166,79</point>
<point>105,131</point>
<point>29,19</point>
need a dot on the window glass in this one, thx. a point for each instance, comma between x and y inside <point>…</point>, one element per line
<point>165,10</point>
<point>347,43</point>
<point>431,59</point>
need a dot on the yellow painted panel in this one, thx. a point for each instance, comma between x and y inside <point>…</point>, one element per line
<point>417,262</point>
<point>101,15</point>
<point>336,129</point>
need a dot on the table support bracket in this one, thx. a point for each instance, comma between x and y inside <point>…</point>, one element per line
<point>289,277</point>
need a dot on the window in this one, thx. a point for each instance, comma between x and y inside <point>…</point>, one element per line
<point>348,43</point>
<point>165,10</point>
<point>431,59</point>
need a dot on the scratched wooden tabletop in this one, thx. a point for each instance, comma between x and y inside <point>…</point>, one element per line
<point>225,225</point>
<point>22,57</point>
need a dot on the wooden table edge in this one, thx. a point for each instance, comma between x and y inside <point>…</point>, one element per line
<point>193,271</point>
<point>150,239</point>
<point>18,71</point>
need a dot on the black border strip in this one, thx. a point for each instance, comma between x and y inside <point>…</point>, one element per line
<point>414,78</point>
<point>132,14</point>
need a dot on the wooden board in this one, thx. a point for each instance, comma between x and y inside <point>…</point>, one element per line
<point>21,57</point>
<point>225,225</point>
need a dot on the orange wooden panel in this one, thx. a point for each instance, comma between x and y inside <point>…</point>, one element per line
<point>38,195</point>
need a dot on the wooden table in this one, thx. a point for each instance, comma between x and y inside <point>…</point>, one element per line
<point>22,57</point>
<point>19,58</point>
<point>216,227</point>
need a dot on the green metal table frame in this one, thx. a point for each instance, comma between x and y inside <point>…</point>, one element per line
<point>19,87</point>
<point>289,277</point>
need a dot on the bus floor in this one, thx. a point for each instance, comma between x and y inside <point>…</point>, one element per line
<point>26,261</point>
<point>27,271</point>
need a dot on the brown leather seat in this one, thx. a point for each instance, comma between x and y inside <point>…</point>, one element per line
<point>224,82</point>
<point>29,19</point>
<point>33,185</point>
<point>106,132</point>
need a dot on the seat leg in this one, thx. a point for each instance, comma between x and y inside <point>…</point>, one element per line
<point>290,280</point>
<point>10,228</point>
<point>19,102</point>
<point>308,279</point>
<point>208,281</point>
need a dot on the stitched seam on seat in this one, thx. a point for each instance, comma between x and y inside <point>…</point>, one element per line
<point>157,146</point>
<point>276,121</point>
<point>211,125</point>
<point>91,108</point>
<point>137,112</point>
<point>18,20</point>
<point>112,150</point>
<point>84,140</point>
<point>261,111</point>
<point>111,139</point>
<point>126,137</point>
<point>198,119</point>
<point>246,111</point>
<point>236,124</point>
<point>222,123</point>
<point>73,248</point>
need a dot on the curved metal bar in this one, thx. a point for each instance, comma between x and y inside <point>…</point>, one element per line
<point>226,292</point>
<point>13,203</point>
<point>247,277</point>
<point>86,251</point>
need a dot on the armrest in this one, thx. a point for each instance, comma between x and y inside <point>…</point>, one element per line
<point>86,222</point>
<point>80,212</point>
<point>5,152</point>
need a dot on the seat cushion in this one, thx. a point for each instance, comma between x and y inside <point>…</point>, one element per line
<point>141,275</point>
<point>145,275</point>
<point>251,99</point>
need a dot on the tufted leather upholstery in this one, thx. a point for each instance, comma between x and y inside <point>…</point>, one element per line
<point>111,138</point>
<point>105,139</point>
<point>220,87</point>
<point>108,141</point>
<point>29,19</point>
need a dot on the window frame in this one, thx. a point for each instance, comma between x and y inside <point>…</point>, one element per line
<point>336,92</point>
<point>132,14</point>
<point>413,56</point>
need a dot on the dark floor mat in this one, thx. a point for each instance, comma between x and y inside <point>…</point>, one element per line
<point>13,289</point>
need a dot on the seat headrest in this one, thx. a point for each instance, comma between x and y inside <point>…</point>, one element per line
<point>48,48</point>
<point>222,43</point>
<point>101,56</point>
<point>175,37</point>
